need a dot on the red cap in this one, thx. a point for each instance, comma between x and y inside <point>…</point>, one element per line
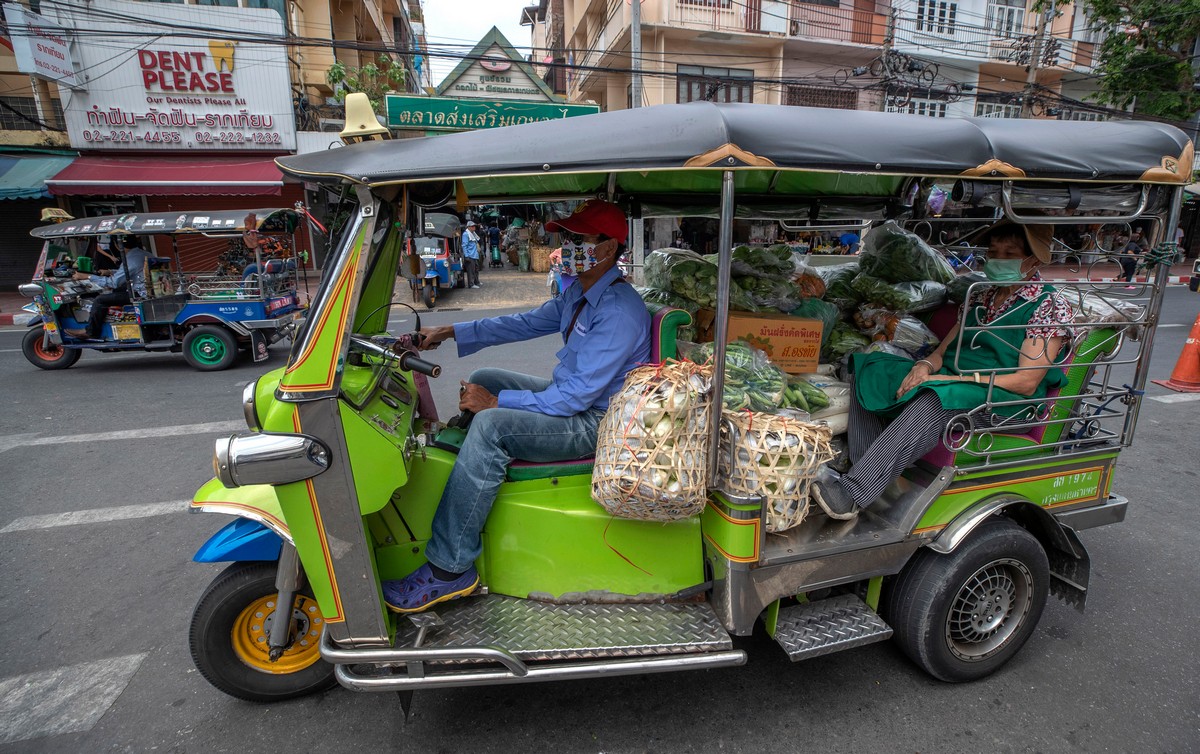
<point>594,216</point>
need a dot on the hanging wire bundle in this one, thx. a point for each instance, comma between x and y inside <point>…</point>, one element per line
<point>652,448</point>
<point>773,456</point>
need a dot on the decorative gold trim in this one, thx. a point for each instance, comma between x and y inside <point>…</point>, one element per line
<point>725,153</point>
<point>1173,169</point>
<point>994,167</point>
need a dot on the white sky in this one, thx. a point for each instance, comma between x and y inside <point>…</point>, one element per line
<point>456,25</point>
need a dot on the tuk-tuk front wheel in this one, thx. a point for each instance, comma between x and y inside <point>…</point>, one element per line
<point>229,638</point>
<point>429,293</point>
<point>210,348</point>
<point>46,356</point>
<point>962,615</point>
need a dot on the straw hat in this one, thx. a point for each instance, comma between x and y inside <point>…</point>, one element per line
<point>1038,237</point>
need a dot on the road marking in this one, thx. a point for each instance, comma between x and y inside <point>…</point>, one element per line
<point>1172,325</point>
<point>94,516</point>
<point>63,700</point>
<point>11,441</point>
<point>1176,398</point>
<point>10,350</point>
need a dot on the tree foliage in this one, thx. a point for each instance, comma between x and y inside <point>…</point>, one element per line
<point>1145,60</point>
<point>373,79</point>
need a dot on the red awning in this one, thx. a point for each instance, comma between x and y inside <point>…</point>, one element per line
<point>193,175</point>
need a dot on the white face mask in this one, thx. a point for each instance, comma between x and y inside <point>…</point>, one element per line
<point>578,258</point>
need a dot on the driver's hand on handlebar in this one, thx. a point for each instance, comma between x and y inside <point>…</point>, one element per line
<point>432,337</point>
<point>475,398</point>
<point>81,276</point>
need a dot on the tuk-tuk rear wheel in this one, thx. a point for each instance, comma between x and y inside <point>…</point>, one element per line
<point>961,616</point>
<point>209,348</point>
<point>229,631</point>
<point>43,356</point>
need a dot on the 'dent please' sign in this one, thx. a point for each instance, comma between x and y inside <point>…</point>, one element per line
<point>452,114</point>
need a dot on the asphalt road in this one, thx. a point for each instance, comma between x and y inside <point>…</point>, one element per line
<point>98,603</point>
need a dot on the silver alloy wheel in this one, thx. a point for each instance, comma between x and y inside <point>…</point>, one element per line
<point>989,608</point>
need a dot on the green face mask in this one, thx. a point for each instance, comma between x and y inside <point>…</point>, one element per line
<point>1003,270</point>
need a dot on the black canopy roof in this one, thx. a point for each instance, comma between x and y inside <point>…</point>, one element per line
<point>536,158</point>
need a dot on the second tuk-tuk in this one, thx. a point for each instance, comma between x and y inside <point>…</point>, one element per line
<point>249,302</point>
<point>440,248</point>
<point>335,484</point>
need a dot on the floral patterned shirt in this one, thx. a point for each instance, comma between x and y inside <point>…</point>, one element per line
<point>1050,320</point>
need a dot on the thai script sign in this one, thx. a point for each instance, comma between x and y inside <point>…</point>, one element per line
<point>42,48</point>
<point>453,114</point>
<point>174,93</point>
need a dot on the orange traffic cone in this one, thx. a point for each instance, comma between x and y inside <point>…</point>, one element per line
<point>1186,376</point>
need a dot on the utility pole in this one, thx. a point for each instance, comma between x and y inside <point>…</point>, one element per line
<point>1035,62</point>
<point>637,233</point>
<point>635,52</point>
<point>888,41</point>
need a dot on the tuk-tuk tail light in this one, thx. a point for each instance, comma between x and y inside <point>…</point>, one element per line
<point>267,458</point>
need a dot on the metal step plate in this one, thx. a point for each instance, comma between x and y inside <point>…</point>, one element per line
<point>827,626</point>
<point>541,631</point>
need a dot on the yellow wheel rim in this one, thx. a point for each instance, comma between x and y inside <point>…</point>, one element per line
<point>252,629</point>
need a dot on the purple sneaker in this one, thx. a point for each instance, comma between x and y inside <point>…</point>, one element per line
<point>420,590</point>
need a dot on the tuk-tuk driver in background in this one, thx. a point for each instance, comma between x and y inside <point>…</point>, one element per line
<point>134,260</point>
<point>606,333</point>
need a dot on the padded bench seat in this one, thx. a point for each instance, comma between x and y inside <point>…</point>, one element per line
<point>523,471</point>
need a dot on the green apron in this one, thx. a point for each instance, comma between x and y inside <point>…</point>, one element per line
<point>877,376</point>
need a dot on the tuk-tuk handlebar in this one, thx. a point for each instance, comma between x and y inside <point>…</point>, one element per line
<point>413,363</point>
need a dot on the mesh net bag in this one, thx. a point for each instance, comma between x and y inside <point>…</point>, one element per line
<point>651,451</point>
<point>774,456</point>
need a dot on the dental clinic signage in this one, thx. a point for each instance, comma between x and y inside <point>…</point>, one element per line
<point>41,48</point>
<point>146,91</point>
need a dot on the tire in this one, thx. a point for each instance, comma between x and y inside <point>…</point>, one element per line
<point>429,295</point>
<point>210,348</point>
<point>49,357</point>
<point>934,606</point>
<point>228,640</point>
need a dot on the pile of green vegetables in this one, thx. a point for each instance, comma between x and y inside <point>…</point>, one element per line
<point>803,395</point>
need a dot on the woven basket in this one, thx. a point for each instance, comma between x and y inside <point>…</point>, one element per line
<point>773,456</point>
<point>539,258</point>
<point>652,447</point>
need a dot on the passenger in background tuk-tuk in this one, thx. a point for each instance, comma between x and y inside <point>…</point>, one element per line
<point>921,399</point>
<point>121,288</point>
<point>606,333</point>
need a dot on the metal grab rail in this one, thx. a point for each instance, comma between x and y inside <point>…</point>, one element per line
<point>334,654</point>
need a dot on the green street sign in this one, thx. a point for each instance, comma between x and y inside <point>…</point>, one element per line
<point>454,114</point>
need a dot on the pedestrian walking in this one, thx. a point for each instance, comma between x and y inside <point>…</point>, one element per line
<point>470,249</point>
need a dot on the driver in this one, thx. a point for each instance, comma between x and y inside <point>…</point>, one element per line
<point>606,332</point>
<point>135,262</point>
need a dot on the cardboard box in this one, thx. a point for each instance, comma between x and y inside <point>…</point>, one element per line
<point>792,343</point>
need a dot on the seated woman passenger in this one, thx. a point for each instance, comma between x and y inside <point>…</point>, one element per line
<point>901,409</point>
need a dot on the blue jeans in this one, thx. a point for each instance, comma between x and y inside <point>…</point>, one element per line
<point>498,436</point>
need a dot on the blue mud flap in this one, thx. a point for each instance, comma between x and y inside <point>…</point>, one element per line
<point>240,540</point>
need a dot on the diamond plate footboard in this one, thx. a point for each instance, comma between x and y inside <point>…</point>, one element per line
<point>819,628</point>
<point>540,631</point>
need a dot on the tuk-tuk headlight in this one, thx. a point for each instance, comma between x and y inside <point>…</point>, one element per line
<point>248,408</point>
<point>264,458</point>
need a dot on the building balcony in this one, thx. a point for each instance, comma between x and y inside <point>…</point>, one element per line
<point>779,19</point>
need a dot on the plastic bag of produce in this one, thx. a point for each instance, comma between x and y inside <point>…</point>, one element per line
<point>803,395</point>
<point>827,313</point>
<point>882,346</point>
<point>837,279</point>
<point>879,292</point>
<point>687,274</point>
<point>756,261</point>
<point>768,293</point>
<point>774,456</point>
<point>913,336</point>
<point>922,296</point>
<point>652,446</point>
<point>842,341</point>
<point>751,380</point>
<point>899,256</point>
<point>807,281</point>
<point>956,290</point>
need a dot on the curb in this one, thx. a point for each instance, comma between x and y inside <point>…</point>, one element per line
<point>6,319</point>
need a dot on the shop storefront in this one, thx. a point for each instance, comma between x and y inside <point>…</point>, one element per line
<point>23,195</point>
<point>177,123</point>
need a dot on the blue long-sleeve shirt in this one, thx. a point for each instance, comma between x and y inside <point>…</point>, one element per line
<point>611,337</point>
<point>135,259</point>
<point>470,246</point>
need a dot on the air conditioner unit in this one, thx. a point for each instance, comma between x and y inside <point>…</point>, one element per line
<point>332,125</point>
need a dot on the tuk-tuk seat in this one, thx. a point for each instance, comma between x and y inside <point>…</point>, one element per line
<point>664,329</point>
<point>1079,365</point>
